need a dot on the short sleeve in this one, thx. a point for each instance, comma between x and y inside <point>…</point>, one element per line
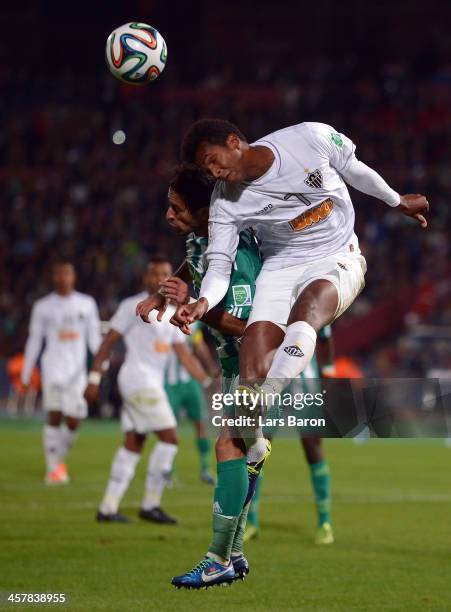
<point>123,318</point>
<point>338,148</point>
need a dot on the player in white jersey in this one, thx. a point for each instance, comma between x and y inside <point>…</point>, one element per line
<point>68,323</point>
<point>291,188</point>
<point>145,404</point>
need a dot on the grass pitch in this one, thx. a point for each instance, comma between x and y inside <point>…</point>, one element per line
<point>391,515</point>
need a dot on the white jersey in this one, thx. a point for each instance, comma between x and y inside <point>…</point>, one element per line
<point>147,346</point>
<point>300,208</point>
<point>68,325</point>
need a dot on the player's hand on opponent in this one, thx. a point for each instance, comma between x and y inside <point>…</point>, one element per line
<point>175,289</point>
<point>156,301</point>
<point>91,393</point>
<point>188,313</point>
<point>414,205</point>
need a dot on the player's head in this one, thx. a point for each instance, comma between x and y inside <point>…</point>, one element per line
<point>189,197</point>
<point>158,270</point>
<point>217,146</point>
<point>63,276</point>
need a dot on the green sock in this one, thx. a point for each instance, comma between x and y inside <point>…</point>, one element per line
<point>203,446</point>
<point>237,544</point>
<point>320,476</point>
<point>230,494</point>
<point>254,509</point>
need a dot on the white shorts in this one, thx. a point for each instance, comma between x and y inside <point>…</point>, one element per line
<point>147,410</point>
<point>67,399</point>
<point>277,290</point>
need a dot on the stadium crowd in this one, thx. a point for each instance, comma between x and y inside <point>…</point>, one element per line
<point>68,190</point>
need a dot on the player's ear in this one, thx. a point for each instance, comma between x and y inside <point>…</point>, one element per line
<point>233,142</point>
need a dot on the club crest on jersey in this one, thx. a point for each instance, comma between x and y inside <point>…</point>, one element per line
<point>293,351</point>
<point>242,295</point>
<point>312,216</point>
<point>314,179</point>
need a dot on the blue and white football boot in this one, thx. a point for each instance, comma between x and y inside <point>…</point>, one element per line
<point>240,565</point>
<point>206,574</point>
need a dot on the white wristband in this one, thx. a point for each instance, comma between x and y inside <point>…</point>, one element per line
<point>94,378</point>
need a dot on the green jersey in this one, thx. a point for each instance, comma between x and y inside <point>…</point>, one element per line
<point>240,294</point>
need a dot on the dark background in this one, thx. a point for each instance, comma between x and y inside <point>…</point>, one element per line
<point>379,72</point>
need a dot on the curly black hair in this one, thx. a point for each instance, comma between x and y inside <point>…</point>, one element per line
<point>193,185</point>
<point>213,131</point>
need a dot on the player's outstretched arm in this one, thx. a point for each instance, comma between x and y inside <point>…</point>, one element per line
<point>368,181</point>
<point>95,375</point>
<point>220,319</point>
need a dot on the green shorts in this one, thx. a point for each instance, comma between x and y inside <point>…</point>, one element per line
<point>188,396</point>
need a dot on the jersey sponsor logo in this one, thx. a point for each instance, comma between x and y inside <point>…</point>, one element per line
<point>242,295</point>
<point>337,139</point>
<point>68,334</point>
<point>161,347</point>
<point>312,216</point>
<point>314,179</point>
<point>293,351</point>
<point>264,210</point>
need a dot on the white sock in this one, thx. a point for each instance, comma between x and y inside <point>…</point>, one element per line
<point>122,471</point>
<point>67,439</point>
<point>292,357</point>
<point>158,473</point>
<point>51,438</point>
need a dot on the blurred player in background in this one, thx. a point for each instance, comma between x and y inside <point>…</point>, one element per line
<point>185,393</point>
<point>189,196</point>
<point>145,404</point>
<point>68,323</point>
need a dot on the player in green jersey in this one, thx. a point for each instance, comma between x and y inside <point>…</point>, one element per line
<point>191,186</point>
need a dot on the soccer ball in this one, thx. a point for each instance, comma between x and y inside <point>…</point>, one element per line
<point>136,53</point>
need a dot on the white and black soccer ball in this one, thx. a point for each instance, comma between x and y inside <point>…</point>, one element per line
<point>136,53</point>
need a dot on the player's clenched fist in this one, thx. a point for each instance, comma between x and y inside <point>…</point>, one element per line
<point>188,313</point>
<point>156,301</point>
<point>414,205</point>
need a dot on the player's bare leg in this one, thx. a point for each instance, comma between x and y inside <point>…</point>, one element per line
<point>159,470</point>
<point>314,308</point>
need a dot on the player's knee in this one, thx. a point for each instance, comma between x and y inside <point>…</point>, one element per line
<point>169,436</point>
<point>54,418</point>
<point>228,448</point>
<point>72,423</point>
